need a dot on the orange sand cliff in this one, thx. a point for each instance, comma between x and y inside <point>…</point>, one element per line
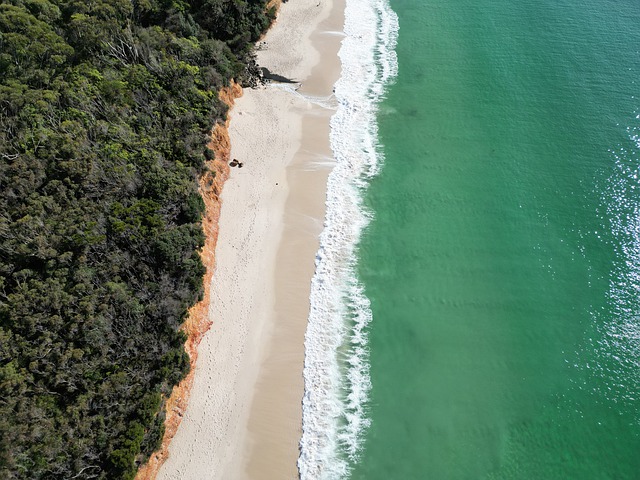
<point>197,322</point>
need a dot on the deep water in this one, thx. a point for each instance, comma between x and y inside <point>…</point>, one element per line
<point>503,259</point>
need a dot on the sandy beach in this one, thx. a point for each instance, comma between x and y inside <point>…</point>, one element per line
<point>244,415</point>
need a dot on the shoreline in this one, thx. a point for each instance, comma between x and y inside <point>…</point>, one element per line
<point>245,412</point>
<point>275,420</point>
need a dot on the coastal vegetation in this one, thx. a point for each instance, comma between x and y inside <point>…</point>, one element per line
<point>105,107</point>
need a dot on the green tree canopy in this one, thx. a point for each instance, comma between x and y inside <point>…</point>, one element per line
<point>105,108</point>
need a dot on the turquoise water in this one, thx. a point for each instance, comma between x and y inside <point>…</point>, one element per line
<point>503,260</point>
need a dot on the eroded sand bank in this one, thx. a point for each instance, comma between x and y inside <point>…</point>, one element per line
<point>244,415</point>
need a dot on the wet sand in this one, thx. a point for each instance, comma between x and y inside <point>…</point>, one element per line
<point>245,413</point>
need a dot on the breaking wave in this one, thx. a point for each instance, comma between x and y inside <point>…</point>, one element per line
<point>336,369</point>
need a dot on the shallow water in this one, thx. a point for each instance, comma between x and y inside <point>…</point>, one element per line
<point>502,264</point>
<point>502,261</point>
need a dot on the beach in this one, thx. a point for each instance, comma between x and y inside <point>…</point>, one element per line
<point>244,414</point>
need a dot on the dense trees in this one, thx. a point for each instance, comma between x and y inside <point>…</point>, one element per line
<point>104,111</point>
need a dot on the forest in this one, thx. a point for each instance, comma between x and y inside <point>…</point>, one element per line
<point>105,109</point>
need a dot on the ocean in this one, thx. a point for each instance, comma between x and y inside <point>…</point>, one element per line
<point>475,312</point>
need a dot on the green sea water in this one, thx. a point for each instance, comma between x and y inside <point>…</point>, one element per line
<point>501,261</point>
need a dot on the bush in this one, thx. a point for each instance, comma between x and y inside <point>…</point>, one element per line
<point>105,110</point>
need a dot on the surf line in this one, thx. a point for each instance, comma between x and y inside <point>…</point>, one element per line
<point>336,368</point>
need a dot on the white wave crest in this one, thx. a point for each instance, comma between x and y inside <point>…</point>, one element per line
<point>336,370</point>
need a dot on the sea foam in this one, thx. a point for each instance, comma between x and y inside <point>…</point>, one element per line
<point>336,369</point>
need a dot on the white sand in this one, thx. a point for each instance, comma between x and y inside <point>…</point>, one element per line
<point>244,415</point>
